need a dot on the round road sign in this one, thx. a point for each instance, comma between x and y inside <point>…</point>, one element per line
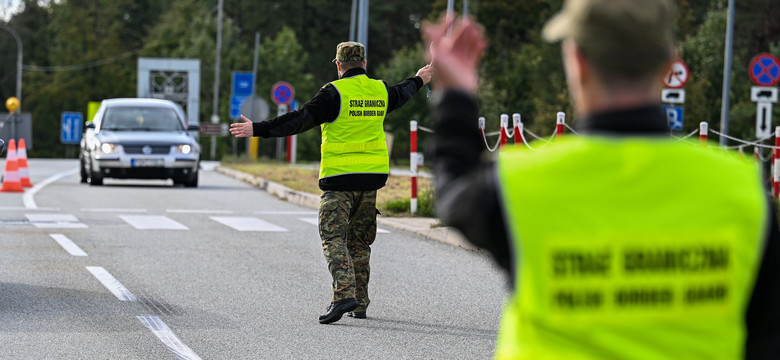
<point>282,93</point>
<point>677,75</point>
<point>764,70</point>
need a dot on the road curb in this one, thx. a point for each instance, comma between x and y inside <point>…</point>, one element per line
<point>427,227</point>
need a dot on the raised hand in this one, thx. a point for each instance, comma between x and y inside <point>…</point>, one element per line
<point>455,47</point>
<point>242,129</point>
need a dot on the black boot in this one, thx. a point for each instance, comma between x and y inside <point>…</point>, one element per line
<point>337,309</point>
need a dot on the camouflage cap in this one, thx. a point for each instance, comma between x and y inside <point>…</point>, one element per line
<point>350,51</point>
<point>636,34</point>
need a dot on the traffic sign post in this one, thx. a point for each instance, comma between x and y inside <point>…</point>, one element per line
<point>674,80</point>
<point>764,70</point>
<point>71,127</point>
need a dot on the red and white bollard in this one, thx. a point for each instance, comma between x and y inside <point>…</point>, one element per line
<point>561,119</point>
<point>413,163</point>
<point>703,133</point>
<point>504,129</point>
<point>518,126</point>
<point>776,162</point>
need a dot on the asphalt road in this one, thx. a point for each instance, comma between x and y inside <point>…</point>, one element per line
<point>145,270</point>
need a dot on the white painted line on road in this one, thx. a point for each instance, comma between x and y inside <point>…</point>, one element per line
<point>112,284</point>
<point>113,210</point>
<point>168,337</point>
<point>152,222</point>
<point>27,198</point>
<point>196,211</point>
<point>68,245</point>
<point>274,212</point>
<point>248,224</point>
<point>14,208</point>
<point>315,221</point>
<point>50,221</point>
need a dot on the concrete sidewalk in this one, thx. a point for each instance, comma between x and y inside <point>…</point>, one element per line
<point>427,227</point>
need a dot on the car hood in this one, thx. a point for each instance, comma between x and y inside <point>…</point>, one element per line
<point>144,137</point>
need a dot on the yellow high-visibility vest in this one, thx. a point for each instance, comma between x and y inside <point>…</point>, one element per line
<point>355,142</point>
<point>630,248</point>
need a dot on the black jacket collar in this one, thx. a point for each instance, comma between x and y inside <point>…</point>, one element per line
<point>354,72</point>
<point>643,120</point>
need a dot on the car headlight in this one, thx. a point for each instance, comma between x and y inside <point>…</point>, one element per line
<point>184,149</point>
<point>109,148</point>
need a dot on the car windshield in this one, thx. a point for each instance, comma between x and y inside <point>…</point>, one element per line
<point>141,119</point>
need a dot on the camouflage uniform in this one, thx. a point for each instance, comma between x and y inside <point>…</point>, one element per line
<point>347,222</point>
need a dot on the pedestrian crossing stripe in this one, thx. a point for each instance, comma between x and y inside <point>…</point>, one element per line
<point>55,221</point>
<point>152,222</point>
<point>243,223</point>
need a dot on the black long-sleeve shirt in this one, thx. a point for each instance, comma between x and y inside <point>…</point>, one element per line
<point>466,182</point>
<point>324,108</point>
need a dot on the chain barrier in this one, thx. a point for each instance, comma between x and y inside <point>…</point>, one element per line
<point>570,128</point>
<point>425,129</point>
<point>694,132</point>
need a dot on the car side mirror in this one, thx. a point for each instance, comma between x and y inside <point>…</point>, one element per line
<point>90,125</point>
<point>2,146</point>
<point>193,127</point>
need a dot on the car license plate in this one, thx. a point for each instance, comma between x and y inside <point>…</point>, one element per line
<point>147,162</point>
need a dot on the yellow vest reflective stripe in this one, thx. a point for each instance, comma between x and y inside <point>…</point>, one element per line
<point>655,260</point>
<point>355,142</point>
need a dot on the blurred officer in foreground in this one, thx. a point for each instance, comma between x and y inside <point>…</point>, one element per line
<point>353,167</point>
<point>621,242</point>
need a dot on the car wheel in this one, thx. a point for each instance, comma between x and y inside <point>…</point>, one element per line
<point>94,177</point>
<point>193,182</point>
<point>84,175</point>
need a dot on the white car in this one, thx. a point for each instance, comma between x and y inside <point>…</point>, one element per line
<point>137,138</point>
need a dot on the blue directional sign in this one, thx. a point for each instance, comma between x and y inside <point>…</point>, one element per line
<point>675,116</point>
<point>243,84</point>
<point>235,105</point>
<point>71,127</point>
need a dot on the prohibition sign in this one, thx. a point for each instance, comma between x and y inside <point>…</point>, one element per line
<point>677,75</point>
<point>764,70</point>
<point>282,93</point>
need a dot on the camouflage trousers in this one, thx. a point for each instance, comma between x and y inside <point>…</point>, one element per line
<point>347,223</point>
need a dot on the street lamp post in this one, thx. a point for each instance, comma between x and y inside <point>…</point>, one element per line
<point>18,61</point>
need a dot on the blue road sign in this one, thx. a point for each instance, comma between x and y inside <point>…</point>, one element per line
<point>675,116</point>
<point>243,84</point>
<point>235,105</point>
<point>765,70</point>
<point>71,127</point>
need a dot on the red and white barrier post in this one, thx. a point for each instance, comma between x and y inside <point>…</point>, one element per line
<point>504,129</point>
<point>703,133</point>
<point>482,126</point>
<point>561,119</point>
<point>518,126</point>
<point>776,163</point>
<point>413,162</point>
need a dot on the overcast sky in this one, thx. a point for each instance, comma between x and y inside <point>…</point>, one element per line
<point>8,8</point>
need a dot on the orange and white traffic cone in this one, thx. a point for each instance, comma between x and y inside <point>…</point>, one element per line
<point>11,182</point>
<point>24,173</point>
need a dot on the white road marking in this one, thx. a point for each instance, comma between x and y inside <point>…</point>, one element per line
<point>168,337</point>
<point>112,284</point>
<point>48,221</point>
<point>68,245</point>
<point>274,212</point>
<point>248,224</point>
<point>196,211</point>
<point>113,210</point>
<point>27,198</point>
<point>152,222</point>
<point>315,221</point>
<point>12,208</point>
